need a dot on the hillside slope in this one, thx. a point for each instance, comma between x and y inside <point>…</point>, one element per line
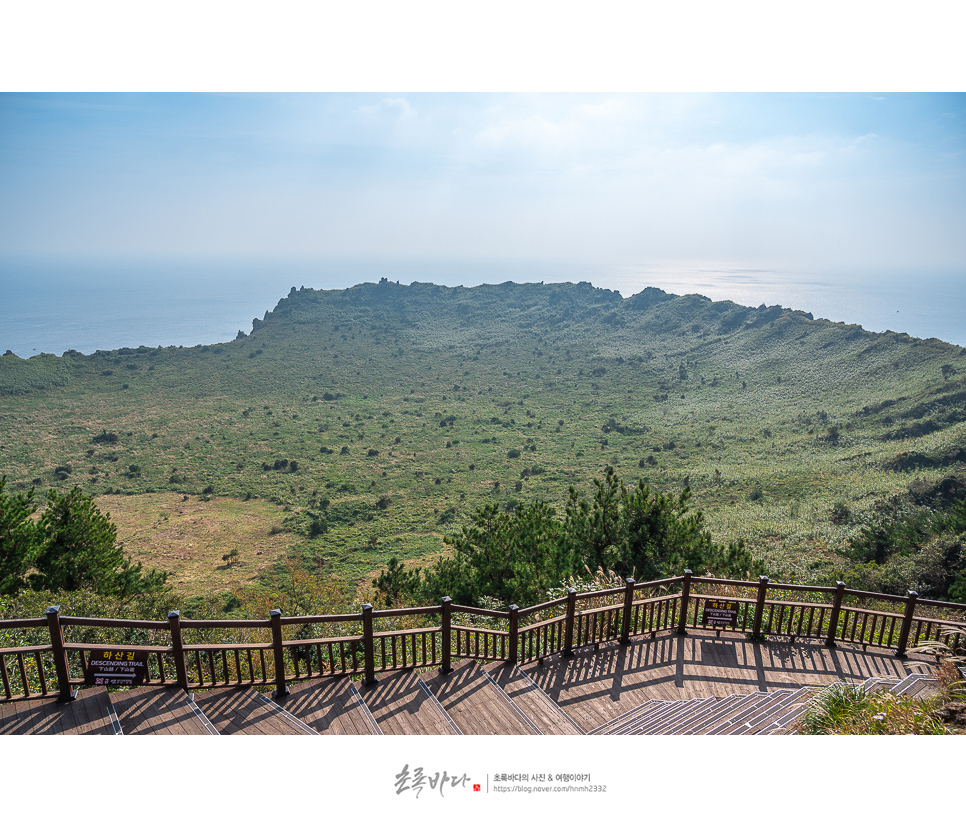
<point>377,415</point>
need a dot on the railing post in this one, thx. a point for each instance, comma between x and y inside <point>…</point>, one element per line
<point>568,649</point>
<point>833,622</point>
<point>368,645</point>
<point>906,624</point>
<point>60,654</point>
<point>177,649</point>
<point>759,606</point>
<point>514,637</point>
<point>446,621</point>
<point>281,690</point>
<point>685,599</point>
<point>628,605</point>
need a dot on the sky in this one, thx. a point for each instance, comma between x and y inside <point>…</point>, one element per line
<point>802,179</point>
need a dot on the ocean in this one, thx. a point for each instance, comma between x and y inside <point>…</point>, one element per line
<point>52,307</point>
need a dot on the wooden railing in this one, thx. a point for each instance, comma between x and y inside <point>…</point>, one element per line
<point>275,652</point>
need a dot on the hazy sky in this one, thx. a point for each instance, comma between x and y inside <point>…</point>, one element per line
<point>807,179</point>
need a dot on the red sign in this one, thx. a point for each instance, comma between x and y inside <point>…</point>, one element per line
<point>719,613</point>
<point>116,667</point>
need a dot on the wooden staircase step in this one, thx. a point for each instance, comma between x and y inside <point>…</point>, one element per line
<point>640,710</point>
<point>247,712</point>
<point>662,722</point>
<point>537,705</point>
<point>745,710</point>
<point>90,713</point>
<point>160,711</point>
<point>916,685</point>
<point>332,706</point>
<point>724,710</point>
<point>402,704</point>
<point>776,706</point>
<point>476,704</point>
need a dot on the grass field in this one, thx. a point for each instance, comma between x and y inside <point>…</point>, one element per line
<point>365,423</point>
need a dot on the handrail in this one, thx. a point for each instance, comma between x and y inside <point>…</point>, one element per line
<point>29,671</point>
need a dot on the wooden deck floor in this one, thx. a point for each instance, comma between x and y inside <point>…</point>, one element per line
<point>594,687</point>
<point>89,714</point>
<point>404,707</point>
<point>330,707</point>
<point>159,712</point>
<point>246,712</point>
<point>476,704</point>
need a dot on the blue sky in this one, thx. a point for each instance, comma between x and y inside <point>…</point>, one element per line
<point>812,179</point>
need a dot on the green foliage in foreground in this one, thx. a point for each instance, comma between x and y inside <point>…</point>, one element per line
<point>846,709</point>
<point>70,547</point>
<point>515,556</point>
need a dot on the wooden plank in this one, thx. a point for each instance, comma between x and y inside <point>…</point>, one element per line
<point>596,687</point>
<point>157,711</point>
<point>402,707</point>
<point>246,712</point>
<point>331,706</point>
<point>88,714</point>
<point>536,704</point>
<point>475,704</point>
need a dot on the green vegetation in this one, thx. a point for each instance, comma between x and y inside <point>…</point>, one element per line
<point>72,546</point>
<point>846,709</point>
<point>380,421</point>
<point>514,557</point>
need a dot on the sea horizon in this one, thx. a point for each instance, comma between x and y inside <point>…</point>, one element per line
<point>52,306</point>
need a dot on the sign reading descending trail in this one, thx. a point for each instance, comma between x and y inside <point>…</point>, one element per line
<point>116,667</point>
<point>719,613</point>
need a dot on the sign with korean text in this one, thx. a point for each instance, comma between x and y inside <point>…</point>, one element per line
<point>116,667</point>
<point>719,613</point>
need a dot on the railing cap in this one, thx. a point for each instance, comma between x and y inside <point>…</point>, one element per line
<point>367,606</point>
<point>762,578</point>
<point>445,600</point>
<point>174,615</point>
<point>53,609</point>
<point>275,612</point>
